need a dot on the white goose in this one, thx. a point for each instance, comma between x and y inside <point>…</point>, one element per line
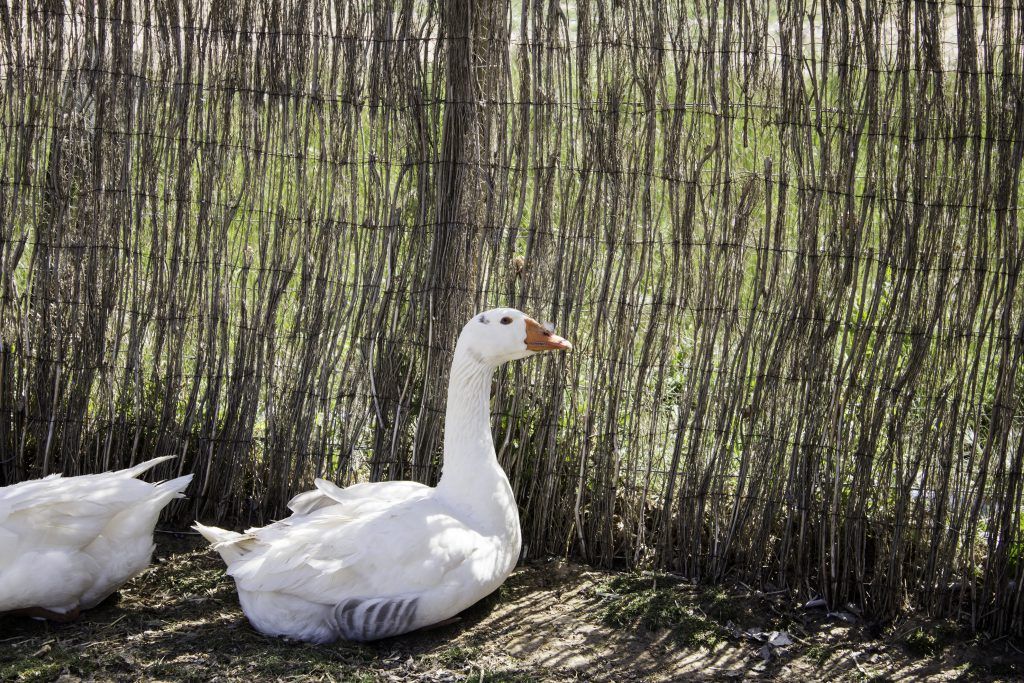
<point>377,560</point>
<point>70,542</point>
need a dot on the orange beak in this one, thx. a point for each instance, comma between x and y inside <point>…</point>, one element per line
<point>540,338</point>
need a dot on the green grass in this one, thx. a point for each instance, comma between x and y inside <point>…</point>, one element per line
<point>930,639</point>
<point>922,642</point>
<point>52,661</point>
<point>654,602</point>
<point>723,606</point>
<point>503,676</point>
<point>457,656</point>
<point>819,653</point>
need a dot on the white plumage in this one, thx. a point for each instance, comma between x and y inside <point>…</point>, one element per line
<point>69,542</point>
<point>377,560</point>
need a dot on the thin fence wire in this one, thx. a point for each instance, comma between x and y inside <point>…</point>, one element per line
<point>783,236</point>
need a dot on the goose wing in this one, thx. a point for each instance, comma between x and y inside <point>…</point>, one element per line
<point>360,548</point>
<point>327,493</point>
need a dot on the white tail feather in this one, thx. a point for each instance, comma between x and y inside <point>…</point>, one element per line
<point>178,485</point>
<point>228,543</point>
<point>144,466</point>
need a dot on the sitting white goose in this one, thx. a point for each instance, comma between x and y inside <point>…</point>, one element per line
<point>379,559</point>
<point>70,542</point>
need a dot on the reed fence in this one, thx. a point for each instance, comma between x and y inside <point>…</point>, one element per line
<point>784,237</point>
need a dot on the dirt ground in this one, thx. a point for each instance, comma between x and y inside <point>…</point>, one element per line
<point>551,621</point>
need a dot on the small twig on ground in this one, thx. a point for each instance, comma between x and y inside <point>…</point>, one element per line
<point>859,667</point>
<point>44,648</point>
<point>106,626</point>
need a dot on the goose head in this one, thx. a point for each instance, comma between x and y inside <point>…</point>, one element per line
<point>505,334</point>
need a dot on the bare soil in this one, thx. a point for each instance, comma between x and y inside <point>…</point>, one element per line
<point>551,621</point>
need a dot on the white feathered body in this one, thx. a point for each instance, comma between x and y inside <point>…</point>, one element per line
<point>367,562</point>
<point>66,543</point>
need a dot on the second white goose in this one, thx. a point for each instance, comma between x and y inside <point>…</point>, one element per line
<point>66,543</point>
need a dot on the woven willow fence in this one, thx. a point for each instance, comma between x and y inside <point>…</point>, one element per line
<point>784,238</point>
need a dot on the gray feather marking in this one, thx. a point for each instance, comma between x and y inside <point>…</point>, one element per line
<point>383,620</point>
<point>402,620</point>
<point>369,619</point>
<point>408,614</point>
<point>349,614</point>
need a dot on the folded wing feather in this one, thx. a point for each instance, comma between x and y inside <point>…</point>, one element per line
<point>322,556</point>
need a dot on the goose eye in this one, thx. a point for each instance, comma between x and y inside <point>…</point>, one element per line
<point>506,320</point>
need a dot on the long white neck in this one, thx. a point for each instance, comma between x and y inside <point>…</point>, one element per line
<point>467,420</point>
<point>471,478</point>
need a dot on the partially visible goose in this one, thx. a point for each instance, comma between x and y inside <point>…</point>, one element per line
<point>68,543</point>
<point>377,560</point>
